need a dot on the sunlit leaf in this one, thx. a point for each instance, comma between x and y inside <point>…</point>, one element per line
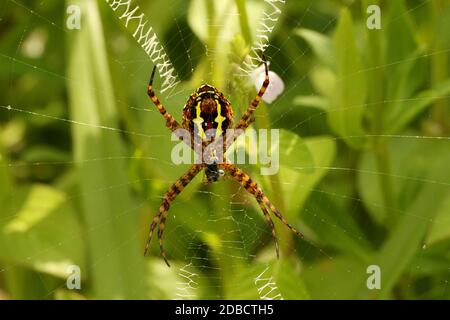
<point>41,231</point>
<point>347,102</point>
<point>108,215</point>
<point>440,227</point>
<point>341,276</point>
<point>312,101</point>
<point>411,108</point>
<point>300,178</point>
<point>321,45</point>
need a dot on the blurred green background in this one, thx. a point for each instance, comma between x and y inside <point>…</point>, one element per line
<point>85,158</point>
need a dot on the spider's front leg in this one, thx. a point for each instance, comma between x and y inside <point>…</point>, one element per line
<point>171,123</point>
<point>246,118</point>
<point>253,188</point>
<point>163,211</point>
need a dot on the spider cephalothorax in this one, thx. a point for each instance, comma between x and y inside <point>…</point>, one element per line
<point>206,116</point>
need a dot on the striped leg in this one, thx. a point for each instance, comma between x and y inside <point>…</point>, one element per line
<point>161,216</point>
<point>171,123</point>
<point>245,120</point>
<point>253,188</point>
<point>270,223</point>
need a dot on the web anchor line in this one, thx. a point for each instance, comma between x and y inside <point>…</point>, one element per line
<point>135,19</point>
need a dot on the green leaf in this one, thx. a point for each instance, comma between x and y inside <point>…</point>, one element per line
<point>114,250</point>
<point>405,68</point>
<point>400,84</point>
<point>347,101</point>
<point>297,168</point>
<point>41,231</point>
<point>323,150</point>
<point>324,81</point>
<point>399,23</point>
<point>421,184</point>
<point>44,153</point>
<point>440,226</point>
<point>431,259</point>
<point>334,227</point>
<point>312,101</point>
<point>335,278</point>
<point>411,108</point>
<point>290,281</point>
<point>412,162</point>
<point>5,180</point>
<point>406,240</point>
<point>321,45</point>
<point>226,14</point>
<point>279,280</point>
<point>62,294</point>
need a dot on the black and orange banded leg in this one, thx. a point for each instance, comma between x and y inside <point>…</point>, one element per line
<point>245,120</point>
<point>270,223</point>
<point>171,123</point>
<point>253,188</point>
<point>161,217</point>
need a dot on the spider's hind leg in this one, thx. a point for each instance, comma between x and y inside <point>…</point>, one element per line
<point>271,225</point>
<point>280,216</point>
<point>253,188</point>
<point>163,211</point>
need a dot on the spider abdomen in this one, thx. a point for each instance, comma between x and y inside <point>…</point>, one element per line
<point>207,114</point>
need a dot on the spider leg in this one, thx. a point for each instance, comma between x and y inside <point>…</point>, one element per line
<point>253,188</point>
<point>280,216</point>
<point>163,211</point>
<point>244,122</point>
<point>248,118</point>
<point>271,225</point>
<point>171,123</point>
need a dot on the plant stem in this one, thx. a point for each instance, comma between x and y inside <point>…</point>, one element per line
<point>215,75</point>
<point>243,20</point>
<point>376,98</point>
<point>439,66</point>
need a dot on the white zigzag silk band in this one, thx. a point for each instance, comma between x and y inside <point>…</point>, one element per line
<point>144,34</point>
<point>266,25</point>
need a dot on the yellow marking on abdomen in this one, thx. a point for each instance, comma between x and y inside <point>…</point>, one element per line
<point>219,119</point>
<point>199,121</point>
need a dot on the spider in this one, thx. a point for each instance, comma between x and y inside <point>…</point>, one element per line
<point>207,108</point>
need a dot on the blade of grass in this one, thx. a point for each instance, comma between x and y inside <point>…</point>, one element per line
<point>116,262</point>
<point>243,20</point>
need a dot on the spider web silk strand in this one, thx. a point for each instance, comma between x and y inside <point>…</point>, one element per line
<point>266,25</point>
<point>143,33</point>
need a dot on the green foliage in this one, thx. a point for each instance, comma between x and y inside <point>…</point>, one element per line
<point>363,155</point>
<point>107,215</point>
<point>31,233</point>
